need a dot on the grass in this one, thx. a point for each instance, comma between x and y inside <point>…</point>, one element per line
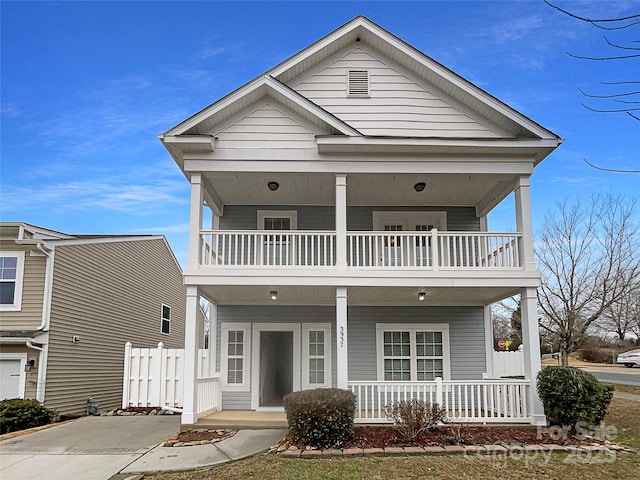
<point>627,388</point>
<point>622,414</point>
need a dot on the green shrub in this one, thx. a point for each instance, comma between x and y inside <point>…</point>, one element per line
<point>321,418</point>
<point>19,414</point>
<point>411,417</point>
<point>571,396</point>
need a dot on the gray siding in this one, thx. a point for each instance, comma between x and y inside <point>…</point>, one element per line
<point>466,336</point>
<point>245,217</point>
<point>108,294</point>
<point>398,103</point>
<point>30,315</point>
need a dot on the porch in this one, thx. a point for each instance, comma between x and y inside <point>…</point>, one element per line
<point>487,401</point>
<point>432,250</point>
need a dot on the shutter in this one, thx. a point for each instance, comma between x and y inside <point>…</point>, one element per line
<point>358,82</point>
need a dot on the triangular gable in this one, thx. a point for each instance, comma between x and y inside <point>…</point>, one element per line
<point>363,31</point>
<point>396,102</point>
<point>207,120</point>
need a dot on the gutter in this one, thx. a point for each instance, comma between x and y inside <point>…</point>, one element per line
<point>48,286</point>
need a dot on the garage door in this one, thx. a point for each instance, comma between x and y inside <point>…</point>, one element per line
<point>11,372</point>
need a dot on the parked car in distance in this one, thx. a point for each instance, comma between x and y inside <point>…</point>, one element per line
<point>630,358</point>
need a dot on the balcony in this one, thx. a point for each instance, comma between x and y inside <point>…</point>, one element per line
<point>433,250</point>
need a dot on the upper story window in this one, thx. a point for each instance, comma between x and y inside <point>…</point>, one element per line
<point>11,273</point>
<point>165,326</point>
<point>358,83</point>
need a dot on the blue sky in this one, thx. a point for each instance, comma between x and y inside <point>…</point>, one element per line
<point>87,86</point>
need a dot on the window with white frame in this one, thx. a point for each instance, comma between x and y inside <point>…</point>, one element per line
<point>165,322</point>
<point>316,355</point>
<point>11,276</point>
<point>412,352</point>
<point>235,341</point>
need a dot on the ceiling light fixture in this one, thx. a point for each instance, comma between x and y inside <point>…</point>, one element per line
<point>418,187</point>
<point>422,296</point>
<point>274,295</point>
<point>273,186</point>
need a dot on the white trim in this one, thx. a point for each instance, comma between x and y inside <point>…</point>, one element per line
<point>16,306</point>
<point>22,357</point>
<point>304,359</point>
<point>290,214</point>
<point>225,328</point>
<point>409,219</point>
<point>413,328</point>
<point>255,365</point>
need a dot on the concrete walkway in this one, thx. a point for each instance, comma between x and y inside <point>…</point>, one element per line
<point>98,448</point>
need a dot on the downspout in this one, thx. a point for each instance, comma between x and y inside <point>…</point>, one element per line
<point>42,368</point>
<point>48,286</point>
<point>45,322</point>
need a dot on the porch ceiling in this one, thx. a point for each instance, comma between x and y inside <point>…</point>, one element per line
<point>476,190</point>
<point>382,296</point>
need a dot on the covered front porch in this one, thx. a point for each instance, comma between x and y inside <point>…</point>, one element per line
<point>454,371</point>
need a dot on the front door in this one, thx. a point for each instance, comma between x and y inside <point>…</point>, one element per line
<point>276,367</point>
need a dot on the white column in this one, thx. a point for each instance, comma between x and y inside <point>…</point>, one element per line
<point>531,342</point>
<point>341,222</point>
<point>524,224</point>
<point>342,359</point>
<point>488,340</point>
<point>213,336</point>
<point>195,220</point>
<point>191,341</point>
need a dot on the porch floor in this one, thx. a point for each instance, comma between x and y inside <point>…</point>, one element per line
<point>241,419</point>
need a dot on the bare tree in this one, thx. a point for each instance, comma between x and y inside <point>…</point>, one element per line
<point>589,256</point>
<point>623,95</point>
<point>623,316</point>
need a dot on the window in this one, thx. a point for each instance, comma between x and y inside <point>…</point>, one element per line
<point>358,83</point>
<point>165,326</point>
<point>316,355</point>
<point>234,357</point>
<point>276,248</point>
<point>412,352</point>
<point>11,273</point>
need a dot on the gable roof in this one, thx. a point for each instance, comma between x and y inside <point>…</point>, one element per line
<point>360,29</point>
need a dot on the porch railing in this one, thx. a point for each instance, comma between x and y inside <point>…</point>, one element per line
<point>492,401</point>
<point>429,250</point>
<point>209,394</point>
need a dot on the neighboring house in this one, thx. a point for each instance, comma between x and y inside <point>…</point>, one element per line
<point>68,305</point>
<point>346,194</point>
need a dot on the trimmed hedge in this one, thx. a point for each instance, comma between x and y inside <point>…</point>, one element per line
<point>320,418</point>
<point>20,414</point>
<point>571,396</point>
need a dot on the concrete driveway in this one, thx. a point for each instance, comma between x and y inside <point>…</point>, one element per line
<point>91,448</point>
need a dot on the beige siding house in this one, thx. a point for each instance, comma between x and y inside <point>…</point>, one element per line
<point>69,303</point>
<point>349,188</point>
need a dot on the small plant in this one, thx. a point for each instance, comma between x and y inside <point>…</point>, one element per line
<point>20,414</point>
<point>411,417</point>
<point>320,418</point>
<point>571,396</point>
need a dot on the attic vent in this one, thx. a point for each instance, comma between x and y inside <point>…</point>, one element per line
<point>358,83</point>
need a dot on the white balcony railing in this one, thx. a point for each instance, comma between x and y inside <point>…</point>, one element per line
<point>492,401</point>
<point>429,250</point>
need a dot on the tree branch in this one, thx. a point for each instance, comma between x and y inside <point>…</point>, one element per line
<point>609,169</point>
<point>621,110</point>
<point>595,22</point>
<point>608,96</point>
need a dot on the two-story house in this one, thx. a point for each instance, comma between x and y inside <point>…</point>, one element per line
<point>68,305</point>
<point>338,225</point>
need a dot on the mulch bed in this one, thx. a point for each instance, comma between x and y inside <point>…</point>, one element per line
<point>383,437</point>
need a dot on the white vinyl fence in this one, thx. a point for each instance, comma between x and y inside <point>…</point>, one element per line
<point>153,378</point>
<point>508,364</point>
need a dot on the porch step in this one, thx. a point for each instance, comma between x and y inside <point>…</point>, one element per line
<point>241,420</point>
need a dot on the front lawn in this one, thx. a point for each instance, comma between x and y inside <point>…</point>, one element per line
<point>623,415</point>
